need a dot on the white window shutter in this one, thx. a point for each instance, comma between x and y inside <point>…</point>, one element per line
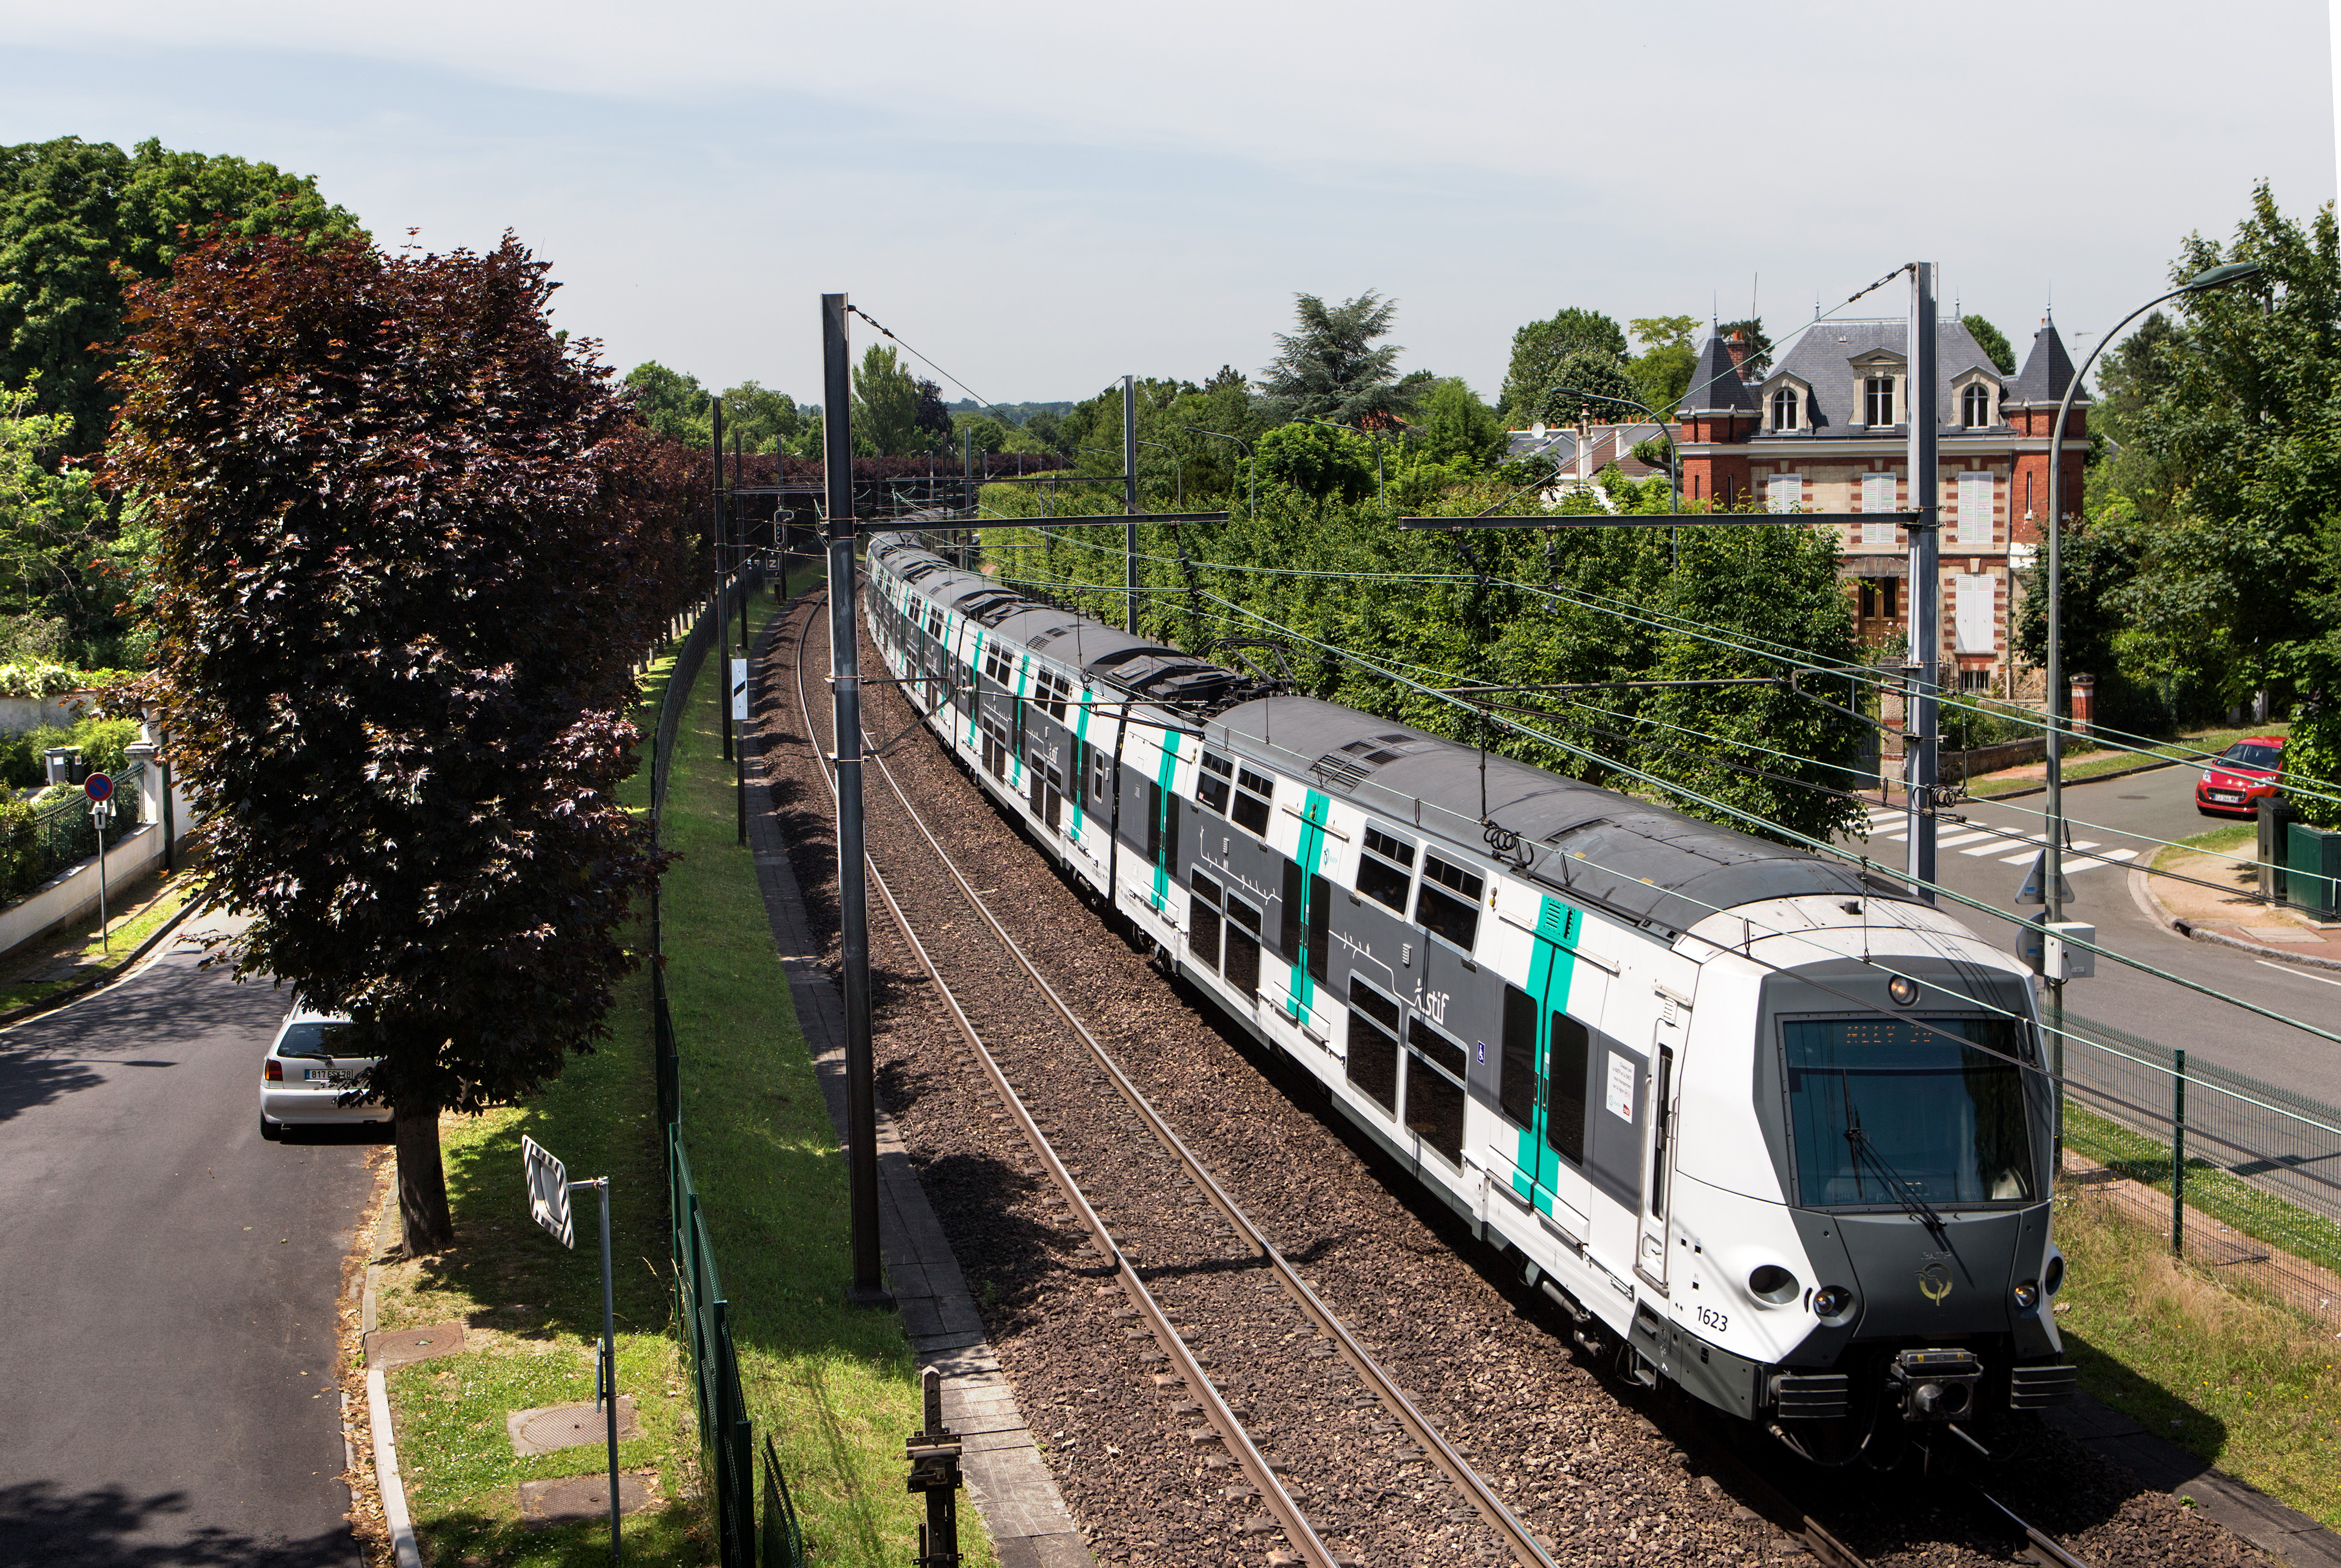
<point>1974,616</point>
<point>1785,491</point>
<point>1975,509</point>
<point>1877,495</point>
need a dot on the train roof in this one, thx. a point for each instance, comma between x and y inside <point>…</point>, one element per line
<point>1662,869</point>
<point>1656,867</point>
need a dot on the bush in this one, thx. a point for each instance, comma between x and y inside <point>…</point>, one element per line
<point>17,837</point>
<point>22,757</point>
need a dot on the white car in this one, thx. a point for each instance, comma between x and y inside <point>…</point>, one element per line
<point>310,1065</point>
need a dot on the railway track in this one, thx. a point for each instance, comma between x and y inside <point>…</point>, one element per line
<point>1264,1475</point>
<point>1156,1264</point>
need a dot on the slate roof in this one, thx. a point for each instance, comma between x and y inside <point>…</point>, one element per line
<point>2048,369</point>
<point>1821,357</point>
<point>1715,385</point>
<point>1609,443</point>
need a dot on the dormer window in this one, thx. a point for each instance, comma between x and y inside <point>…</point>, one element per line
<point>1878,400</point>
<point>1974,406</point>
<point>1784,409</point>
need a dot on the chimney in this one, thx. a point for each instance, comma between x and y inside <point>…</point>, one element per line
<point>1738,348</point>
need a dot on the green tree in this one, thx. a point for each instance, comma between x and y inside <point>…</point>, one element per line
<point>1993,341</point>
<point>2131,377</point>
<point>1457,424</point>
<point>397,633</point>
<point>764,421</point>
<point>1317,461</point>
<point>52,520</point>
<point>1661,373</point>
<point>1558,349</point>
<point>1583,381</point>
<point>885,403</point>
<point>932,420</point>
<point>671,403</point>
<point>73,212</point>
<point>989,434</point>
<point>1335,367</point>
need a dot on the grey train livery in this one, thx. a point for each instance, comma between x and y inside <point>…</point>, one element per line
<point>1767,1129</point>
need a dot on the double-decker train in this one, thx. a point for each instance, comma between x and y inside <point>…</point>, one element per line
<point>1767,1130</point>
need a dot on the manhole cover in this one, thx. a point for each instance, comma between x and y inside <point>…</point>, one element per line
<point>544,1503</point>
<point>386,1349</point>
<point>552,1427</point>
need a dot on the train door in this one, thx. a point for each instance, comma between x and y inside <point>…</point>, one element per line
<point>1546,1066</point>
<point>1658,1151</point>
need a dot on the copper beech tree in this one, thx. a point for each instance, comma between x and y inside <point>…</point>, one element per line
<point>411,542</point>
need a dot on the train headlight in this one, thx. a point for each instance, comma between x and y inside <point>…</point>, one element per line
<point>1833,1303</point>
<point>1903,989</point>
<point>2028,1295</point>
<point>1774,1284</point>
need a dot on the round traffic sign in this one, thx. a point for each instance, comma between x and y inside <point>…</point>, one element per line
<point>98,787</point>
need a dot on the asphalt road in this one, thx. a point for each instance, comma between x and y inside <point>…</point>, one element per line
<point>2113,823</point>
<point>167,1289</point>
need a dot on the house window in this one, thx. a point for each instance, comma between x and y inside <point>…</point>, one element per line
<point>1784,409</point>
<point>1878,400</point>
<point>1977,680</point>
<point>1975,509</point>
<point>1974,406</point>
<point>1879,596</point>
<point>1877,495</point>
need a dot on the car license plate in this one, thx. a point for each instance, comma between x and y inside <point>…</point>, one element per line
<point>319,1074</point>
<point>2230,796</point>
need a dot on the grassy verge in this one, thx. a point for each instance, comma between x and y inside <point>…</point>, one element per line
<point>533,1311</point>
<point>39,970</point>
<point>2244,1384</point>
<point>834,1385</point>
<point>2096,764</point>
<point>2210,1190</point>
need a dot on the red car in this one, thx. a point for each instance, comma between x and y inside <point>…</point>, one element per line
<point>2239,777</point>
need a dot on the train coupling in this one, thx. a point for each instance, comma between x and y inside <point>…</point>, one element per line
<point>1934,1384</point>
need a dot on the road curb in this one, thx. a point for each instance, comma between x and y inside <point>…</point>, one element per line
<point>386,1473</point>
<point>80,988</point>
<point>2142,891</point>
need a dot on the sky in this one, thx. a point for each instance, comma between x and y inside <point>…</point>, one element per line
<point>1041,197</point>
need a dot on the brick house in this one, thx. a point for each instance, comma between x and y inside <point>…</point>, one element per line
<point>1825,430</point>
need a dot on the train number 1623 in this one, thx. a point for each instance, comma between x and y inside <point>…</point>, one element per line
<point>1718,1321</point>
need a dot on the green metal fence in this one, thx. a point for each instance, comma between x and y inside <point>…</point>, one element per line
<point>2244,1175</point>
<point>727,1438</point>
<point>61,834</point>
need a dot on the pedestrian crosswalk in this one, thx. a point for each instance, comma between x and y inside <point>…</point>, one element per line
<point>2007,846</point>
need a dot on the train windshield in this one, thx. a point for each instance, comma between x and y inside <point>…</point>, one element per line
<point>1887,1110</point>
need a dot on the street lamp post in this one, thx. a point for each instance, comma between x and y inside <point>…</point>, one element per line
<point>1674,457</point>
<point>2052,878</point>
<point>1223,435</point>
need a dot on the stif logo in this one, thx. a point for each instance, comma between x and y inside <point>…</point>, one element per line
<point>1935,1283</point>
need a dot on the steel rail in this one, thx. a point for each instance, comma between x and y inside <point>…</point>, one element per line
<point>2055,1553</point>
<point>1522,1542</point>
<point>1248,1457</point>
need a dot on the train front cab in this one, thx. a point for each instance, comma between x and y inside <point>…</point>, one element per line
<point>1863,1209</point>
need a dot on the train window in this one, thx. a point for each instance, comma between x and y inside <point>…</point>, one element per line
<point>1564,1080</point>
<point>934,623</point>
<point>1385,869</point>
<point>1434,1088</point>
<point>1212,783</point>
<point>1372,1047</point>
<point>1289,913</point>
<point>1000,664</point>
<point>1878,1101</point>
<point>1253,792</point>
<point>1054,689</point>
<point>1449,902</point>
<point>1516,1081</point>
<point>1101,775</point>
<point>1320,910</point>
<point>1242,964</point>
<point>1203,920</point>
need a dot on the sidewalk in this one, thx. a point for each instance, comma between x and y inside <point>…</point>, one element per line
<point>2227,914</point>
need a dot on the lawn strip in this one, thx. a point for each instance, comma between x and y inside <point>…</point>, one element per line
<point>2211,1190</point>
<point>2242,1383</point>
<point>532,1311</point>
<point>834,1385</point>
